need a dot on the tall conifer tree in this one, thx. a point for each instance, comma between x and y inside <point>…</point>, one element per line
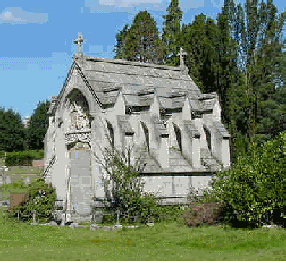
<point>171,31</point>
<point>140,42</point>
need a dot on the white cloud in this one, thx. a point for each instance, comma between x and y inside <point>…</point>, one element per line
<point>133,5</point>
<point>128,3</point>
<point>15,15</point>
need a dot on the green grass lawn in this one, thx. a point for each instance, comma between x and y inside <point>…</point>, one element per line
<point>172,241</point>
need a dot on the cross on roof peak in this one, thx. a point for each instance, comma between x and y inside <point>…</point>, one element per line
<point>78,42</point>
<point>182,53</point>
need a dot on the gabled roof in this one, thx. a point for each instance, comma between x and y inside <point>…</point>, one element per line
<point>138,82</point>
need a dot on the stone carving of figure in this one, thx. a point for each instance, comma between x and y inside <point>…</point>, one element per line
<point>79,119</point>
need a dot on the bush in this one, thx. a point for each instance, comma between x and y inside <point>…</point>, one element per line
<point>168,213</point>
<point>207,213</point>
<point>254,188</point>
<point>23,158</point>
<point>41,198</point>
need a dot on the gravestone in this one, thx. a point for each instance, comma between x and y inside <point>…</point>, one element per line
<point>7,179</point>
<point>98,217</point>
<point>117,219</point>
<point>27,180</point>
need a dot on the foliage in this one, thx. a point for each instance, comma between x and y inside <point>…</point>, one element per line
<point>171,32</point>
<point>259,39</point>
<point>207,44</point>
<point>38,126</point>
<point>41,199</point>
<point>168,213</point>
<point>23,158</point>
<point>206,213</point>
<point>255,185</point>
<point>140,42</point>
<point>12,136</point>
<point>121,38</point>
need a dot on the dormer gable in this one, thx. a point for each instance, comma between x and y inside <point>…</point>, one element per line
<point>119,106</point>
<point>187,110</point>
<point>154,107</point>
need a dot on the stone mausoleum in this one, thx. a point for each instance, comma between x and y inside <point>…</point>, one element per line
<point>156,109</point>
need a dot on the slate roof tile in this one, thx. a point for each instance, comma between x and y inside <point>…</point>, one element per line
<point>110,75</point>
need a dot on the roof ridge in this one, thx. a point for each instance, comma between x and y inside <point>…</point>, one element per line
<point>125,62</point>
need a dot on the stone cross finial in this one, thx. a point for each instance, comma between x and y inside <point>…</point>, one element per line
<point>182,54</point>
<point>79,43</point>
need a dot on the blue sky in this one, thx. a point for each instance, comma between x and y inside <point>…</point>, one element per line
<point>37,39</point>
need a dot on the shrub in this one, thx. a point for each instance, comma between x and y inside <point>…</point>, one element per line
<point>255,185</point>
<point>207,213</point>
<point>23,158</point>
<point>41,198</point>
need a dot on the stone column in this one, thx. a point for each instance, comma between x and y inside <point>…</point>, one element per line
<point>191,143</point>
<point>196,156</point>
<point>164,150</point>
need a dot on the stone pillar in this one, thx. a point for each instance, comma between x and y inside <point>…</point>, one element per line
<point>196,156</point>
<point>191,143</point>
<point>220,144</point>
<point>164,151</point>
<point>68,207</point>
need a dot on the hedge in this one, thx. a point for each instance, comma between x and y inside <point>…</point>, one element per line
<point>23,158</point>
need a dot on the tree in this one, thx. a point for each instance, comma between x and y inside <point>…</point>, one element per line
<point>252,109</point>
<point>263,53</point>
<point>211,56</point>
<point>141,41</point>
<point>227,73</point>
<point>120,46</point>
<point>38,126</point>
<point>12,136</point>
<point>171,31</point>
